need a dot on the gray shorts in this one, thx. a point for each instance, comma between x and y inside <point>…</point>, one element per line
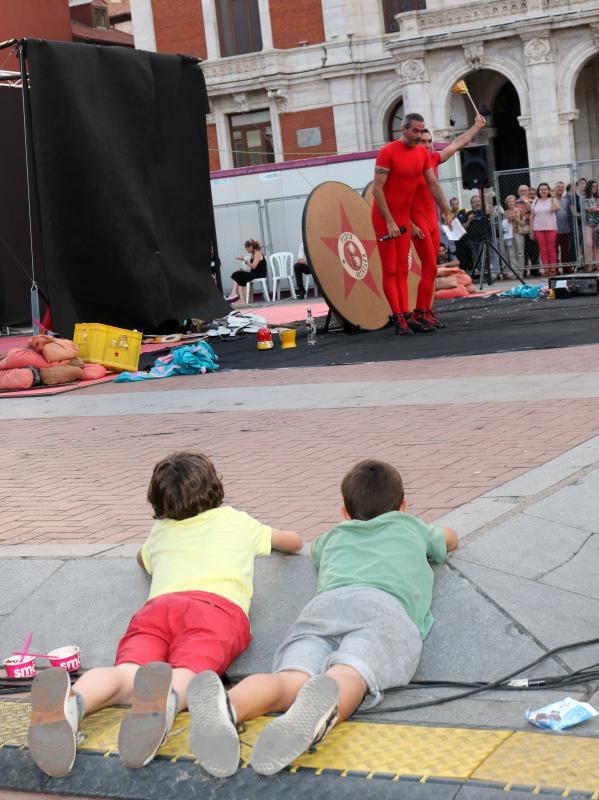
<point>364,628</point>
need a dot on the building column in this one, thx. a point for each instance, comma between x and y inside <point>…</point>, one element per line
<point>265,24</point>
<point>211,29</point>
<point>350,112</point>
<point>549,140</point>
<point>415,87</point>
<point>277,104</point>
<point>223,137</point>
<point>142,18</point>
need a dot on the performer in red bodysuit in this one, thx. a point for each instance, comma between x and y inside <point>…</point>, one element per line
<point>425,224</point>
<point>399,166</point>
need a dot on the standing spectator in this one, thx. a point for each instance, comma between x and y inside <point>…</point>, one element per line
<point>509,226</point>
<point>591,221</point>
<point>564,223</point>
<point>301,268</point>
<point>519,224</point>
<point>531,250</point>
<point>242,277</point>
<point>461,250</point>
<point>543,224</point>
<point>576,221</point>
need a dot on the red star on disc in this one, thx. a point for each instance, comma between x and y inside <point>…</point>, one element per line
<point>332,242</point>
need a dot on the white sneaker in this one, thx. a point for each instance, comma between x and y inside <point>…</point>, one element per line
<point>151,715</point>
<point>52,735</point>
<point>213,735</point>
<point>306,723</point>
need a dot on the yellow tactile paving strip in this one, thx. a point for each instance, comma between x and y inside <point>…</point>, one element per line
<point>505,757</point>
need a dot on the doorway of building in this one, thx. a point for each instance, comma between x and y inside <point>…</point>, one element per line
<point>497,99</point>
<point>586,127</point>
<point>509,142</point>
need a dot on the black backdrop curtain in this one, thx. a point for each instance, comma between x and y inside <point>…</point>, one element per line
<point>122,174</point>
<point>15,253</point>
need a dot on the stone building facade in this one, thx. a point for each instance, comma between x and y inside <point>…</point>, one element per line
<point>291,80</point>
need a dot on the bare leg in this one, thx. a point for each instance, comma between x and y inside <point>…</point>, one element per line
<point>352,688</point>
<point>234,290</point>
<point>259,694</point>
<point>181,680</point>
<point>106,686</point>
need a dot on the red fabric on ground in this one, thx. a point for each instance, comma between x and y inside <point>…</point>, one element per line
<point>19,357</point>
<point>91,372</point>
<point>54,350</point>
<point>16,379</point>
<point>448,294</point>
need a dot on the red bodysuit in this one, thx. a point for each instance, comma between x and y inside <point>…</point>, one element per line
<point>423,213</point>
<point>406,165</point>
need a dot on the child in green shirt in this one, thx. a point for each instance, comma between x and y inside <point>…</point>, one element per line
<point>361,634</point>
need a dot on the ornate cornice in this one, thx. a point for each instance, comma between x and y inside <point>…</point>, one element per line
<point>472,12</point>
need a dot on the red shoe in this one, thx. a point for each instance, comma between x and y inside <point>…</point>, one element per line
<point>417,323</point>
<point>400,325</point>
<point>434,320</point>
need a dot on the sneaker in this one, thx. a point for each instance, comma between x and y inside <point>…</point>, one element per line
<point>151,715</point>
<point>400,325</point>
<point>303,726</point>
<point>416,325</point>
<point>213,735</point>
<point>54,722</point>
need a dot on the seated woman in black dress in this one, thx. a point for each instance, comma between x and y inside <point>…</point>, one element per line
<point>257,269</point>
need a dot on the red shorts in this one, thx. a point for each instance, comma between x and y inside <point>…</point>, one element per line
<point>196,630</point>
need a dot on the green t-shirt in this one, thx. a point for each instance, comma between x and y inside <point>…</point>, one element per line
<point>389,552</point>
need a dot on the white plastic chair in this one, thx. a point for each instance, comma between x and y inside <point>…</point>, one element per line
<point>281,265</point>
<point>263,287</point>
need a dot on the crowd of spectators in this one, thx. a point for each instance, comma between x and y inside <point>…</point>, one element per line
<point>542,231</point>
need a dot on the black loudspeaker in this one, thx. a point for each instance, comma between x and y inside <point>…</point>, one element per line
<point>475,167</point>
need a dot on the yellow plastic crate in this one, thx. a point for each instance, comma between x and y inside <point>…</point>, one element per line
<point>115,348</point>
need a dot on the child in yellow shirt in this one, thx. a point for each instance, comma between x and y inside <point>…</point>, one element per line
<point>200,555</point>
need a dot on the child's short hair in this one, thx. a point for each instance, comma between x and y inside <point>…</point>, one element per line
<point>372,488</point>
<point>183,485</point>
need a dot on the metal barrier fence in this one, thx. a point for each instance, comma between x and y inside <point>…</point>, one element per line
<point>529,247</point>
<point>587,173</point>
<point>277,222</point>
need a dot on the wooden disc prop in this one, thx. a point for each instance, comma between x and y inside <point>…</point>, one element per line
<point>341,249</point>
<point>414,265</point>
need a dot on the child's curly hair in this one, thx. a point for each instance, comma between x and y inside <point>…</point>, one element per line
<point>183,485</point>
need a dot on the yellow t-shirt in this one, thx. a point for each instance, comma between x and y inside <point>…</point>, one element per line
<point>211,552</point>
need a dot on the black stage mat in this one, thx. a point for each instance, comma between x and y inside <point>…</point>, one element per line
<point>99,776</point>
<point>474,327</point>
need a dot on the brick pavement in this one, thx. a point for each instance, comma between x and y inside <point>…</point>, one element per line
<point>567,359</point>
<point>73,481</point>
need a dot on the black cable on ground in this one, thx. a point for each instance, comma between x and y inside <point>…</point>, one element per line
<point>500,683</point>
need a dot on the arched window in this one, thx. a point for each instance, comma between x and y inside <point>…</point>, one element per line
<point>395,122</point>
